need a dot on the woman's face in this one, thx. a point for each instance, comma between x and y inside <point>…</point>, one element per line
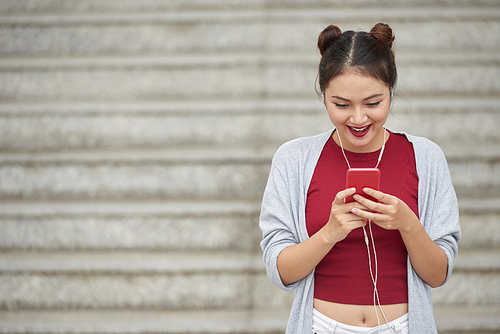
<point>358,106</point>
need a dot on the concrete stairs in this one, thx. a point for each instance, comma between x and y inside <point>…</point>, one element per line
<point>136,137</point>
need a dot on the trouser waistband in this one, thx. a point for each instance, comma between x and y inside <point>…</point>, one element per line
<point>321,321</point>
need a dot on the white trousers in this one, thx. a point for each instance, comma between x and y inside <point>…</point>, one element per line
<point>325,325</point>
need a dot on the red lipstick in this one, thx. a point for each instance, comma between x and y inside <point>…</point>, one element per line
<point>359,131</point>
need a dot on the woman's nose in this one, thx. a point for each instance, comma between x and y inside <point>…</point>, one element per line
<point>358,116</point>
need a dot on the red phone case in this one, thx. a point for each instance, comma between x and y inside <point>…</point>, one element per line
<point>362,178</point>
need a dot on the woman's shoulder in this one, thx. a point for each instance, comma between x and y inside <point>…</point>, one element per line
<point>423,146</point>
<point>429,157</point>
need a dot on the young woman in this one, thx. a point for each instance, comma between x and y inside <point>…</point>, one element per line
<point>365,266</point>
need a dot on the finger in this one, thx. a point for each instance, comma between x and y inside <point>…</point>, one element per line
<point>367,215</point>
<point>343,212</point>
<point>358,205</point>
<point>380,196</point>
<point>342,195</point>
<point>355,221</point>
<point>354,217</point>
<point>367,203</point>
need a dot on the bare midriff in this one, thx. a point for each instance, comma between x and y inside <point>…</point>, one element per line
<point>359,315</point>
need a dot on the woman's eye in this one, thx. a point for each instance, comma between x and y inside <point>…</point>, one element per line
<point>339,105</point>
<point>373,104</point>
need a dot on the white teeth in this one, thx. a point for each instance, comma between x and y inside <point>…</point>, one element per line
<point>360,130</point>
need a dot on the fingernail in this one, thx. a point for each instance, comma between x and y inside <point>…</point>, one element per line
<point>367,190</point>
<point>355,211</point>
<point>356,197</point>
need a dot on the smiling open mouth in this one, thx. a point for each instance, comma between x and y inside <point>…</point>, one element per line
<point>359,131</point>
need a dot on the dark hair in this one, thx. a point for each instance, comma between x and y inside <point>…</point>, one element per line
<point>357,52</point>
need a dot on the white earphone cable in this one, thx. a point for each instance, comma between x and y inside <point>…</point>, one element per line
<point>379,156</point>
<point>376,299</point>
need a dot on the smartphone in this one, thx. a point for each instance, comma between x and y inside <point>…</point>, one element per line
<point>360,178</point>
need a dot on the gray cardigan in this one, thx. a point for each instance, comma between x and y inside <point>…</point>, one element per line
<point>282,221</point>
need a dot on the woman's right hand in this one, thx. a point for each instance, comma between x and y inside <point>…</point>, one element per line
<point>297,261</point>
<point>342,221</point>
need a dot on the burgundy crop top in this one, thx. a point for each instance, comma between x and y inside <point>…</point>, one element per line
<point>343,276</point>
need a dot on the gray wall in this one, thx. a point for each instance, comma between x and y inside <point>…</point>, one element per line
<point>136,137</point>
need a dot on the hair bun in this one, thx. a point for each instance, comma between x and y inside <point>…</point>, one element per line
<point>383,33</point>
<point>327,36</point>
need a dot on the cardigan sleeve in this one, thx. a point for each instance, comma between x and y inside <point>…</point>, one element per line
<point>439,208</point>
<point>277,219</point>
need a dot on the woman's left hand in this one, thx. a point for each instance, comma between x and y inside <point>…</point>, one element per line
<point>390,212</point>
<point>427,258</point>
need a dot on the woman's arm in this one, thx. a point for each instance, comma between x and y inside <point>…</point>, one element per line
<point>297,261</point>
<point>427,258</point>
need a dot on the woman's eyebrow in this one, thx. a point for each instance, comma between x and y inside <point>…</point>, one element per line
<point>340,98</point>
<point>347,100</point>
<point>374,95</point>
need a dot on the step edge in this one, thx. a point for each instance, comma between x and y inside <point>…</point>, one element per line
<point>152,207</point>
<point>179,16</point>
<point>189,60</point>
<point>216,106</point>
<point>130,263</point>
<point>489,154</point>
